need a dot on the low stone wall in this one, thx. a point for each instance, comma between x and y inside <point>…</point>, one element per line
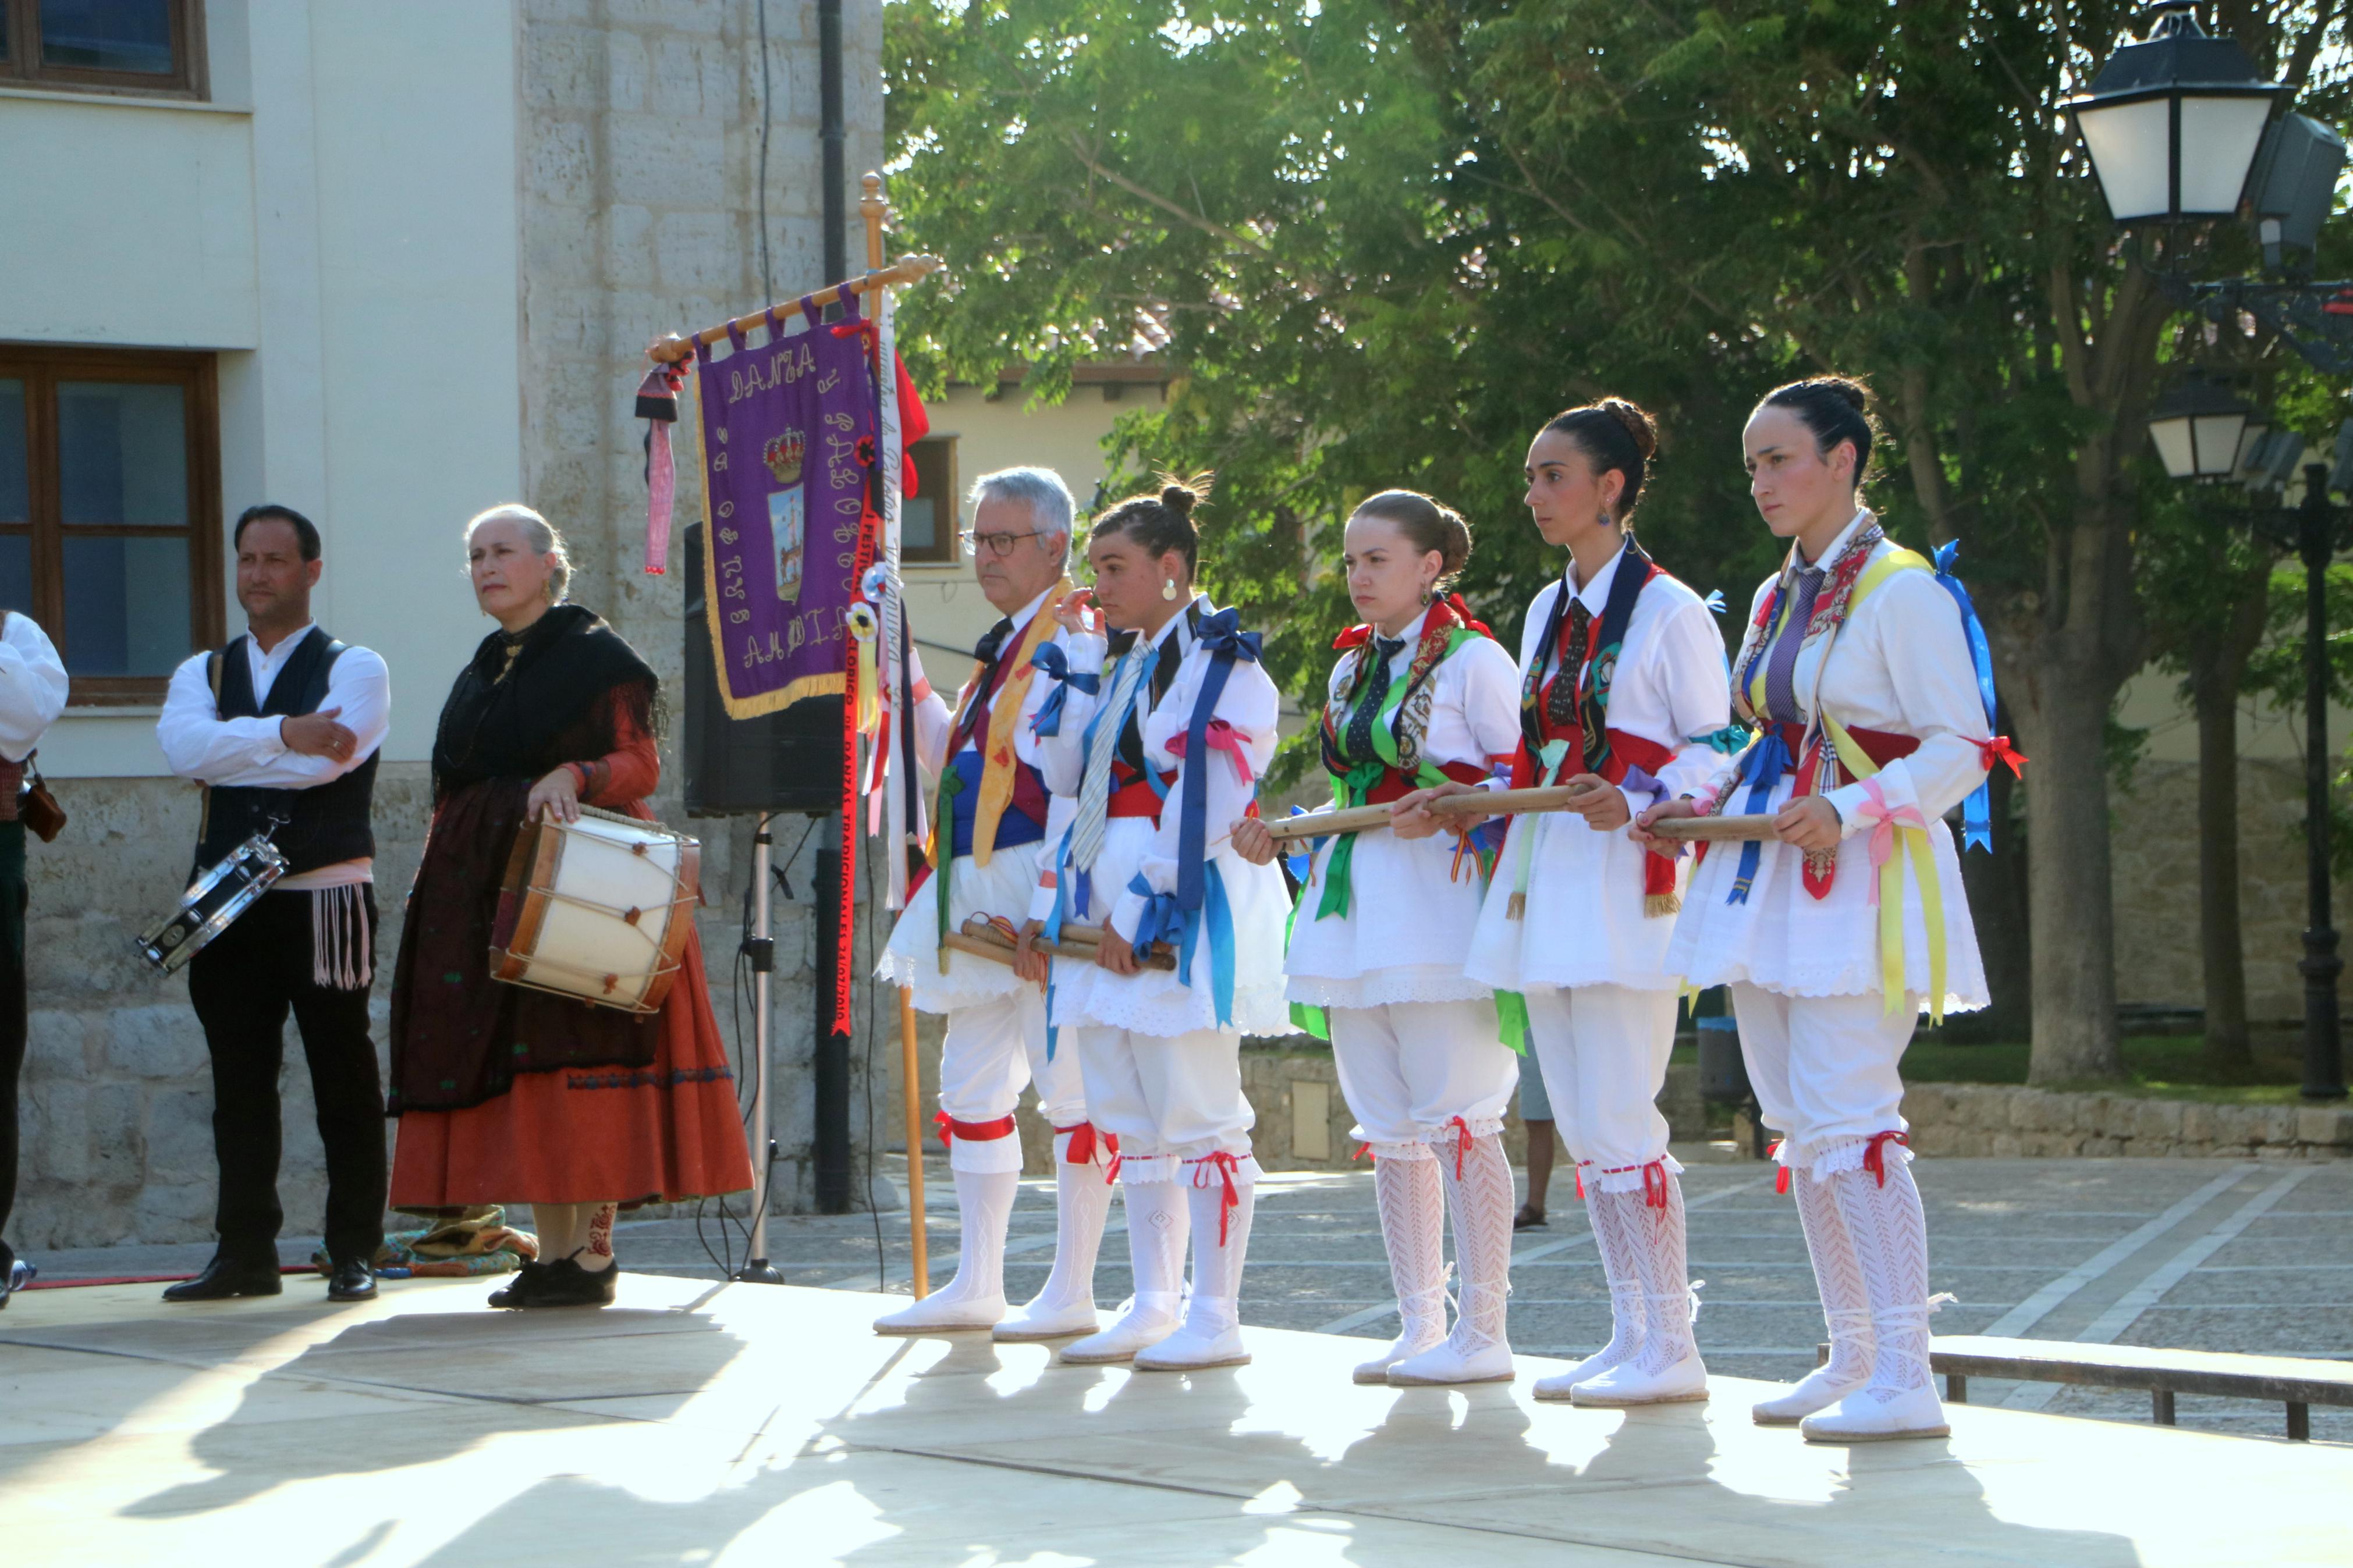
<point>2007,1119</point>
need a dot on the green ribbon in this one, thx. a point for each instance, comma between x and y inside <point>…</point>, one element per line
<point>1350,788</point>
<point>1512,1020</point>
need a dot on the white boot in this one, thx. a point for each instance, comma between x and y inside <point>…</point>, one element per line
<point>1667,1369</point>
<point>1478,1350</point>
<point>1615,1244</point>
<point>1846,1310</point>
<point>1157,1224</point>
<point>974,1299</point>
<point>1883,1219</point>
<point>1412,1203</point>
<point>1066,1305</point>
<point>1222,1193</point>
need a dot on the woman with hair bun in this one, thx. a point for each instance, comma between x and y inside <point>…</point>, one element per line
<point>1160,735</point>
<point>1422,694</point>
<point>1871,717</point>
<point>1622,690</point>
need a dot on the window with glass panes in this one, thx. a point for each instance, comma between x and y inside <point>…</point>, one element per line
<point>109,514</point>
<point>928,519</point>
<point>153,47</point>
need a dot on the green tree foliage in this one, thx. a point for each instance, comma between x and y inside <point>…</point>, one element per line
<point>1380,242</point>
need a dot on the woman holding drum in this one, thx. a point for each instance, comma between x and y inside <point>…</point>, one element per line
<point>507,1094</point>
<point>1871,723</point>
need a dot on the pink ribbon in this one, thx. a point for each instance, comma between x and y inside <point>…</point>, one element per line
<point>662,487</point>
<point>1222,737</point>
<point>1884,820</point>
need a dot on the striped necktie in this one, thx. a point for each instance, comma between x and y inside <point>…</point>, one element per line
<point>1095,790</point>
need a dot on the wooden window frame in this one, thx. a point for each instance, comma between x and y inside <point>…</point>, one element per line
<point>23,67</point>
<point>40,369</point>
<point>947,548</point>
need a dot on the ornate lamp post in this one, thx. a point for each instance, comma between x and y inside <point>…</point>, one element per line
<point>2175,125</point>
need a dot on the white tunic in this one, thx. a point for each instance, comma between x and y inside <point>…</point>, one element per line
<point>1406,931</point>
<point>1585,922</point>
<point>1900,664</point>
<point>1003,886</point>
<point>1158,1002</point>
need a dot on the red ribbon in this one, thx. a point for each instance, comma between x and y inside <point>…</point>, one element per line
<point>1226,1166</point>
<point>1081,1148</point>
<point>1362,1149</point>
<point>1462,1143</point>
<point>1578,1170</point>
<point>1998,751</point>
<point>1875,1154</point>
<point>970,1131</point>
<point>1782,1176</point>
<point>1654,1183</point>
<point>1221,737</point>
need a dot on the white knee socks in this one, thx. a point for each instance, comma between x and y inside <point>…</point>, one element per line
<point>984,1209</point>
<point>1411,1197</point>
<point>1846,1308</point>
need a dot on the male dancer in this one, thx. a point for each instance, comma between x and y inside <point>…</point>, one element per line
<point>989,823</point>
<point>283,726</point>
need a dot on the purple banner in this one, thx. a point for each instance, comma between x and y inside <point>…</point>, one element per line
<point>784,429</point>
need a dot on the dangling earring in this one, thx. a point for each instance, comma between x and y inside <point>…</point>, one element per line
<point>1168,587</point>
<point>1604,519</point>
<point>1425,596</point>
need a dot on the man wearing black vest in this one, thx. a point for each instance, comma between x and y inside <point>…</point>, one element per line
<point>282,727</point>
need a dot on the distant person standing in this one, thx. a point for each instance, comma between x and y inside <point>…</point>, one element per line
<point>285,724</point>
<point>31,695</point>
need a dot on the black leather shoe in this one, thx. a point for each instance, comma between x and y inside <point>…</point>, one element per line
<point>567,1284</point>
<point>353,1280</point>
<point>224,1278</point>
<point>519,1293</point>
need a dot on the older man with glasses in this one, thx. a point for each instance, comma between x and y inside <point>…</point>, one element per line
<point>990,819</point>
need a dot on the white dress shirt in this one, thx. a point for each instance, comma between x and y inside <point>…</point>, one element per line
<point>32,686</point>
<point>199,744</point>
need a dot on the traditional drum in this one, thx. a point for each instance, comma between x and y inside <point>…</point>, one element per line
<point>222,893</point>
<point>598,910</point>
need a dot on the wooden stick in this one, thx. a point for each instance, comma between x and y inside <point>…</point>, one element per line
<point>912,1078</point>
<point>1714,828</point>
<point>1002,951</point>
<point>1477,803</point>
<point>910,268</point>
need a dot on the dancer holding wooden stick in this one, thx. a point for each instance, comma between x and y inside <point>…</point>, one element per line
<point>994,812</point>
<point>1863,670</point>
<point>1160,740</point>
<point>1421,695</point>
<point>1623,687</point>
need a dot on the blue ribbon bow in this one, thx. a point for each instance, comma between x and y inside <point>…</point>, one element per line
<point>1164,920</point>
<point>1049,659</point>
<point>1977,811</point>
<point>1715,600</point>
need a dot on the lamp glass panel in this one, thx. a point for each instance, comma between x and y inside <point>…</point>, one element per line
<point>2219,138</point>
<point>2251,445</point>
<point>2215,439</point>
<point>2172,439</point>
<point>2126,142</point>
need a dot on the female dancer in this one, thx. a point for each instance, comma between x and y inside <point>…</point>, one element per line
<point>1621,689</point>
<point>1858,672</point>
<point>1161,755</point>
<point>1421,694</point>
<point>505,1094</point>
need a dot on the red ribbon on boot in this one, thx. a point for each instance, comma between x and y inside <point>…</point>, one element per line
<point>1655,1184</point>
<point>1227,1165</point>
<point>1462,1143</point>
<point>970,1131</point>
<point>1875,1154</point>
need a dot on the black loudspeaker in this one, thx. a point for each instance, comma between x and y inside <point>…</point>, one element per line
<point>786,762</point>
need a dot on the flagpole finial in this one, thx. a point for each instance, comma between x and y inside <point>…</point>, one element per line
<point>876,212</point>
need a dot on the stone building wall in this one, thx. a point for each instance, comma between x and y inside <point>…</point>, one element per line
<point>2153,851</point>
<point>638,160</point>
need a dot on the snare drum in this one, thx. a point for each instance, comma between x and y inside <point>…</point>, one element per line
<point>597,909</point>
<point>224,892</point>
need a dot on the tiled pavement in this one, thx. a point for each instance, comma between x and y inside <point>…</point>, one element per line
<point>2203,1255</point>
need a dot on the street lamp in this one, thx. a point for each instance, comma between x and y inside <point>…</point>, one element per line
<point>2200,429</point>
<point>2173,124</point>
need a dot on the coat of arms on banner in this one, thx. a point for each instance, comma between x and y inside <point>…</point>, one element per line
<point>783,528</point>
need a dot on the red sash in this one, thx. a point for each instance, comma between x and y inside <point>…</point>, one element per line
<point>1133,795</point>
<point>1821,762</point>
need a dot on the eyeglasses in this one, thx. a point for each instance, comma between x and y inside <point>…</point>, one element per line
<point>999,544</point>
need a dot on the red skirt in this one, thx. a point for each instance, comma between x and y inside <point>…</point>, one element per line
<point>667,1132</point>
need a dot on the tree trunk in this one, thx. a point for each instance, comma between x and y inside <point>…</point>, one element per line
<point>2061,706</point>
<point>2219,942</point>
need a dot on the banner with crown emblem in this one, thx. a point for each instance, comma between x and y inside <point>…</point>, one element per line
<point>787,444</point>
